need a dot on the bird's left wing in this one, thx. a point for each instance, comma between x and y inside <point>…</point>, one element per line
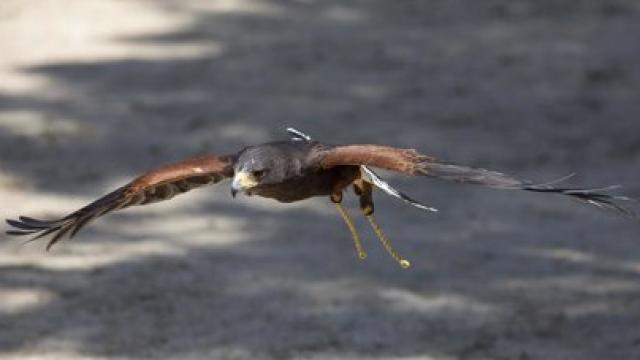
<point>157,185</point>
<point>411,162</point>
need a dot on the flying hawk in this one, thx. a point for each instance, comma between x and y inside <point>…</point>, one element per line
<point>298,169</point>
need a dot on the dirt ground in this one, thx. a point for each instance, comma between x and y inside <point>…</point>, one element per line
<point>92,93</point>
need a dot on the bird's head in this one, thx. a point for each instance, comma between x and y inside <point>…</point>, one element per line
<point>255,167</point>
<point>247,179</point>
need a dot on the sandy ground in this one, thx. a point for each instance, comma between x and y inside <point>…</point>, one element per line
<point>93,93</point>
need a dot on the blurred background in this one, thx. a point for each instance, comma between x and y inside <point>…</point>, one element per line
<point>93,93</point>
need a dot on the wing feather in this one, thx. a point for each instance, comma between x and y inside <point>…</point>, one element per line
<point>405,161</point>
<point>411,162</point>
<point>160,184</point>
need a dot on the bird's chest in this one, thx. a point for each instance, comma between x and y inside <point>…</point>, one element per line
<point>315,183</point>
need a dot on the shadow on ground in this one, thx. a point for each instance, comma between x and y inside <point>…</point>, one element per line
<point>535,88</point>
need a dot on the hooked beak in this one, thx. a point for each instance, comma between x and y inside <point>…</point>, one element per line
<point>242,181</point>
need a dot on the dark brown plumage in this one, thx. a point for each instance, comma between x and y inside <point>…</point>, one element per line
<point>157,185</point>
<point>295,170</point>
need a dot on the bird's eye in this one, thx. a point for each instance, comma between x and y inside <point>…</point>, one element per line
<point>259,174</point>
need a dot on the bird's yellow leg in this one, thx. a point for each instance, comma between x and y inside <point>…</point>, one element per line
<point>352,228</point>
<point>404,263</point>
<point>364,190</point>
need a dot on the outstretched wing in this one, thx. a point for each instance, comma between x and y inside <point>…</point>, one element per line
<point>411,162</point>
<point>158,185</point>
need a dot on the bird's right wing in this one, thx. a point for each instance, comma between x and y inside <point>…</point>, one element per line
<point>158,185</point>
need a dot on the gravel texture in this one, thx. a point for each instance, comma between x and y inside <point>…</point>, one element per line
<point>95,92</point>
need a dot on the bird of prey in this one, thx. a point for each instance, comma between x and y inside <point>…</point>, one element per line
<point>298,169</point>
